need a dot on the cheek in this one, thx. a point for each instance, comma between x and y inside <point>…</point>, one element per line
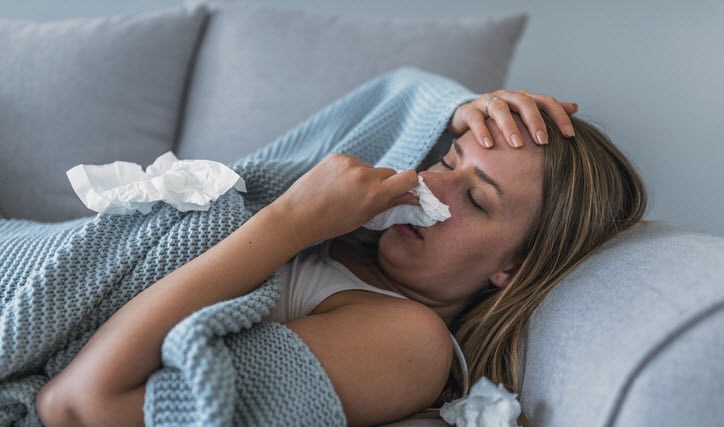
<point>458,238</point>
<point>471,241</point>
<point>458,228</point>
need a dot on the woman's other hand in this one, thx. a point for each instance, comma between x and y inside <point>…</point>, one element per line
<point>499,106</point>
<point>342,193</point>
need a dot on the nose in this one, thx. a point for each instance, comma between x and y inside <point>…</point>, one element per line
<point>439,183</point>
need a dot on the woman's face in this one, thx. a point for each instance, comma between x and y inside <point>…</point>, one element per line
<point>473,247</point>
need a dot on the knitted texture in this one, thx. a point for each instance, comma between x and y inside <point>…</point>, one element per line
<point>222,365</point>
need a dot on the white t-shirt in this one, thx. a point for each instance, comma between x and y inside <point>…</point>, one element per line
<point>311,276</point>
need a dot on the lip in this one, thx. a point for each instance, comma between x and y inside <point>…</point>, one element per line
<point>405,230</point>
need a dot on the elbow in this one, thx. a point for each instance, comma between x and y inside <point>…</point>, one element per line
<point>54,408</point>
<point>62,404</point>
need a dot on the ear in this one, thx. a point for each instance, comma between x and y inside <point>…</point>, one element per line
<point>502,278</point>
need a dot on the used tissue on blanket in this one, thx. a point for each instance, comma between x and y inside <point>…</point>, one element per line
<point>485,406</point>
<point>124,188</point>
<point>430,211</point>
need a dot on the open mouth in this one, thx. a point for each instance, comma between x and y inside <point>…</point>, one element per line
<point>412,227</point>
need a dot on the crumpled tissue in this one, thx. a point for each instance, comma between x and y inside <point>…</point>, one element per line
<point>484,406</point>
<point>430,211</point>
<point>123,188</point>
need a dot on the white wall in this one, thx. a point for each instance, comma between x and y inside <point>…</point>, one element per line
<point>651,73</point>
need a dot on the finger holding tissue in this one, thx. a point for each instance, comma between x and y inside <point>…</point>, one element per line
<point>123,188</point>
<point>430,211</point>
<point>485,406</point>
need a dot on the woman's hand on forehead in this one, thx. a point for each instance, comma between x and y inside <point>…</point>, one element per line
<point>500,106</point>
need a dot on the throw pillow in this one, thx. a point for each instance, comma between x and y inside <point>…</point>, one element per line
<point>87,91</point>
<point>263,70</point>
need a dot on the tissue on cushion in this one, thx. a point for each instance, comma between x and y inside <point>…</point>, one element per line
<point>86,91</point>
<point>485,406</point>
<point>253,82</point>
<point>123,188</point>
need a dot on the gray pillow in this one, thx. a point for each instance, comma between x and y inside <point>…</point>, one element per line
<point>86,91</point>
<point>263,70</point>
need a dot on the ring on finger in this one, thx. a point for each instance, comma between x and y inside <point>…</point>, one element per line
<point>487,104</point>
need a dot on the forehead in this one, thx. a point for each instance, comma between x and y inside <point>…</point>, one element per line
<point>518,171</point>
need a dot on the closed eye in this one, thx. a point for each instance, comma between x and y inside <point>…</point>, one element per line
<point>470,195</point>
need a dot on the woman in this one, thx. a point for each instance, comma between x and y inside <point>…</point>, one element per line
<point>532,214</point>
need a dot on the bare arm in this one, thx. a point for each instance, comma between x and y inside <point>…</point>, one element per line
<point>386,360</point>
<point>105,383</point>
<point>112,368</point>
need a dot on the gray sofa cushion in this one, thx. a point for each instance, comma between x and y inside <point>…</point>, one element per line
<point>262,70</point>
<point>633,336</point>
<point>86,91</point>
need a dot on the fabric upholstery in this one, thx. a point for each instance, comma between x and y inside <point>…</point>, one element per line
<point>691,382</point>
<point>87,91</point>
<point>262,70</point>
<point>633,336</point>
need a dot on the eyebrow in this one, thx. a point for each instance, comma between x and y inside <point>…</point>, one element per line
<point>482,175</point>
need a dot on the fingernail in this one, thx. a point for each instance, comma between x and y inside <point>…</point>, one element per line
<point>575,107</point>
<point>542,137</point>
<point>487,142</point>
<point>569,130</point>
<point>517,142</point>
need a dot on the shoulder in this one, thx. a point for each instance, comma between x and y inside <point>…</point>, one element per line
<point>386,361</point>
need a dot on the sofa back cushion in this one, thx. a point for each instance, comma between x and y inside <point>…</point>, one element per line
<point>263,70</point>
<point>87,91</point>
<point>633,336</point>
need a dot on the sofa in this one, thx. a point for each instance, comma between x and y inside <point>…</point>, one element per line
<point>634,336</point>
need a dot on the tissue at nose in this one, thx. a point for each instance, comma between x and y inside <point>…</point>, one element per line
<point>430,211</point>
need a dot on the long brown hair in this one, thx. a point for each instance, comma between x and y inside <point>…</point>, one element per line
<point>591,192</point>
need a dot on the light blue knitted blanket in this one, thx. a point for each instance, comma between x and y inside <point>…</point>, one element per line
<point>222,365</point>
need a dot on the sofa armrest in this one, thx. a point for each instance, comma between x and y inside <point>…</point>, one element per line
<point>679,382</point>
<point>632,336</point>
